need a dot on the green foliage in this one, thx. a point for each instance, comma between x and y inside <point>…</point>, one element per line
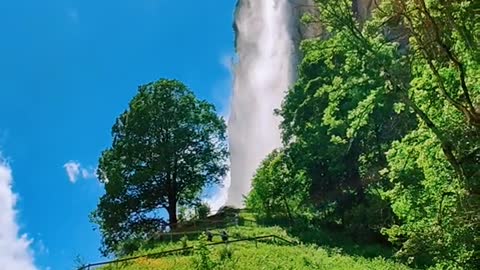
<point>202,211</point>
<point>184,242</point>
<point>226,253</point>
<point>202,260</point>
<point>205,260</point>
<point>275,190</point>
<point>384,123</point>
<point>196,211</point>
<point>167,146</point>
<point>339,120</point>
<point>261,255</point>
<point>129,246</point>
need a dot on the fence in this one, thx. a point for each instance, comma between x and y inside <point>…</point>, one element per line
<point>173,251</point>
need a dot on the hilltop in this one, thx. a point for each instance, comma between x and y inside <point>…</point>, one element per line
<point>285,252</point>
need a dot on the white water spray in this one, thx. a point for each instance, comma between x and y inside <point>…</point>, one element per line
<point>265,70</point>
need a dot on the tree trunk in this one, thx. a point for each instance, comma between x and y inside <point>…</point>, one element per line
<point>172,196</point>
<point>288,210</point>
<point>172,213</point>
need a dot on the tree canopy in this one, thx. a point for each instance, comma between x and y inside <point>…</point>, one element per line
<point>276,190</point>
<point>167,146</point>
<point>383,122</point>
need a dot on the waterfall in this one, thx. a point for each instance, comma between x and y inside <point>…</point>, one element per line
<point>266,54</point>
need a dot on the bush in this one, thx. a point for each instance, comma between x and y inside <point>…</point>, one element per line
<point>202,211</point>
<point>202,260</point>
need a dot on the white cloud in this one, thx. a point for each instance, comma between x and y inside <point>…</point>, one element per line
<point>75,171</point>
<point>88,173</point>
<point>15,252</point>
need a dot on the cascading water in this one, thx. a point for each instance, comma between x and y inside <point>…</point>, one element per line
<point>265,34</point>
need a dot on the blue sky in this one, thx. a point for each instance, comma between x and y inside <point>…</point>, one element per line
<point>67,70</point>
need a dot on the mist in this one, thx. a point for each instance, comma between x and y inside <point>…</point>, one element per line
<point>265,69</point>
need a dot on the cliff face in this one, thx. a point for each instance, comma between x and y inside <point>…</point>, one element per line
<point>363,8</point>
<point>304,32</point>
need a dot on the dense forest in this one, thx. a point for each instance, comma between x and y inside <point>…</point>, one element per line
<point>381,131</point>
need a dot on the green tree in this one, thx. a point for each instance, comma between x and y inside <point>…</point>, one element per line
<point>167,146</point>
<point>202,211</point>
<point>339,120</point>
<point>404,82</point>
<point>276,190</point>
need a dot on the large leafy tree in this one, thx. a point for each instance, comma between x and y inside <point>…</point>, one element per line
<point>339,120</point>
<point>167,146</point>
<point>389,106</point>
<point>277,190</point>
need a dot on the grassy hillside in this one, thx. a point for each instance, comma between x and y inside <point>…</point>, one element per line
<point>253,255</point>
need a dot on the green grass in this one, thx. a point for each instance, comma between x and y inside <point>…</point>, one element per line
<point>251,255</point>
<point>267,256</point>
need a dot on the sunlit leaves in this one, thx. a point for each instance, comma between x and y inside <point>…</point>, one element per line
<point>277,189</point>
<point>392,84</point>
<point>167,146</point>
